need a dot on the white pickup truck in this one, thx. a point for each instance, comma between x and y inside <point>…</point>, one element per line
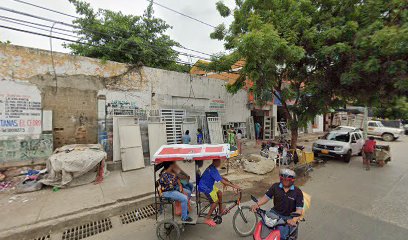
<point>377,129</point>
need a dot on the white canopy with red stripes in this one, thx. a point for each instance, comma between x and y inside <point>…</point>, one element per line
<point>181,152</point>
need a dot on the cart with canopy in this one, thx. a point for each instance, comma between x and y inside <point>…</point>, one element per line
<point>194,157</point>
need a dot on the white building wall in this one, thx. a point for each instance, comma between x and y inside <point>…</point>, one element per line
<point>319,121</point>
<point>196,94</point>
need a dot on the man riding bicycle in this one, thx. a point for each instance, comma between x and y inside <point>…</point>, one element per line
<point>213,194</point>
<point>287,198</point>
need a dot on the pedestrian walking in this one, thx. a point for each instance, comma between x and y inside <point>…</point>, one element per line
<point>369,151</point>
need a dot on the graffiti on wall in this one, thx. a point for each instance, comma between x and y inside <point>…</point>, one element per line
<point>26,149</point>
<point>20,109</point>
<point>121,108</point>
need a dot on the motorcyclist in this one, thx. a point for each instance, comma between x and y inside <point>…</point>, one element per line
<point>287,198</point>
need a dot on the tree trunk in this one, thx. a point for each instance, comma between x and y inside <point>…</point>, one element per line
<point>293,125</point>
<point>294,137</point>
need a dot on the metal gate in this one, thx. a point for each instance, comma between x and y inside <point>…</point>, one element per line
<point>215,130</point>
<point>268,128</point>
<point>174,121</point>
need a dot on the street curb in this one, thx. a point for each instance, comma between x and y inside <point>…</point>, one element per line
<point>57,224</point>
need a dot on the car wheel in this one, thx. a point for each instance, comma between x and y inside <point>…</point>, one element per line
<point>388,137</point>
<point>347,157</point>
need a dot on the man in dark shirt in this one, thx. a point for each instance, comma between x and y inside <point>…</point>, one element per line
<point>287,198</point>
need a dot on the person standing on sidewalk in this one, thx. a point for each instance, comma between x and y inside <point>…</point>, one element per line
<point>258,130</point>
<point>231,137</point>
<point>200,136</point>
<point>239,140</point>
<point>368,152</point>
<point>186,139</point>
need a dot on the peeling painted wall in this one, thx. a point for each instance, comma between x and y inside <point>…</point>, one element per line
<point>82,91</point>
<point>72,94</point>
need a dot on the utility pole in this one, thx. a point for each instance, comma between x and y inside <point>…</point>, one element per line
<point>365,122</point>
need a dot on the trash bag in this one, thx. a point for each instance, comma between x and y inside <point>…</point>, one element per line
<point>28,186</point>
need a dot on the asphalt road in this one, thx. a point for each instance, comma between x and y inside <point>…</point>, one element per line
<point>347,203</point>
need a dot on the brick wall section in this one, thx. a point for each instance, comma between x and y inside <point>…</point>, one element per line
<point>74,114</point>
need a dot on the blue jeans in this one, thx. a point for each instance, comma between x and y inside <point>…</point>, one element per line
<point>188,186</point>
<point>185,190</point>
<point>286,229</point>
<point>178,196</point>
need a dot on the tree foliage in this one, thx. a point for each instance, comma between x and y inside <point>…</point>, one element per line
<point>318,53</point>
<point>394,110</point>
<point>114,36</point>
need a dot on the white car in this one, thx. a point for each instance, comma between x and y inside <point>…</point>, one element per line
<point>342,143</point>
<point>377,129</point>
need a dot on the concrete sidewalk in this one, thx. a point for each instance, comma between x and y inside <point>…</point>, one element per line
<point>20,211</point>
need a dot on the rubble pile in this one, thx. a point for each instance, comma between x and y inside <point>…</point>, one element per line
<point>258,164</point>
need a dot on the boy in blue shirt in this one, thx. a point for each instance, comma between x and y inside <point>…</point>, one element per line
<point>213,194</point>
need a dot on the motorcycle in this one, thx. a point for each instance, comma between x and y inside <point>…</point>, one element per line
<point>267,228</point>
<point>284,156</point>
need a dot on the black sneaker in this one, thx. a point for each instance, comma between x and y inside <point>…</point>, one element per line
<point>188,219</point>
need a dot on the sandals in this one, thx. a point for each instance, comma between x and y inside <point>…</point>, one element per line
<point>210,222</point>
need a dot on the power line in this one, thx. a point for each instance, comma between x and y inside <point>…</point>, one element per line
<point>37,24</point>
<point>182,14</point>
<point>39,28</point>
<point>90,30</point>
<point>73,41</point>
<point>48,9</point>
<point>211,55</point>
<point>65,14</point>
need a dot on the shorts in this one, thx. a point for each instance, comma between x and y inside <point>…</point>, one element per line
<point>212,196</point>
<point>369,156</point>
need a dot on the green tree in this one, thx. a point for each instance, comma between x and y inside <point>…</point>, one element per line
<point>394,110</point>
<point>318,53</point>
<point>114,36</point>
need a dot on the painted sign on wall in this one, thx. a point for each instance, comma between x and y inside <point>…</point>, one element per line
<point>217,105</point>
<point>20,109</point>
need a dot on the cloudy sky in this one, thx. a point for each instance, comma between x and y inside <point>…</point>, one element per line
<point>189,33</point>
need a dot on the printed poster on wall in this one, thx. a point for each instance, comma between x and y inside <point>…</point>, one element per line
<point>20,109</point>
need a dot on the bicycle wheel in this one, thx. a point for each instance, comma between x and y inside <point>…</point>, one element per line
<point>168,230</point>
<point>244,221</point>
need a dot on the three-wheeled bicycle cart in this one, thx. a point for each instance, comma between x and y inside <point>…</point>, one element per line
<point>169,225</point>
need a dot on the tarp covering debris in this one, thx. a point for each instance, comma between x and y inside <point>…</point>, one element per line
<point>74,165</point>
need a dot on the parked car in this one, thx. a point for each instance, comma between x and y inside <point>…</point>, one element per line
<point>349,128</point>
<point>377,129</point>
<point>341,143</point>
<point>405,126</point>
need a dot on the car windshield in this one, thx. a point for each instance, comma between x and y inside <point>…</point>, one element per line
<point>337,136</point>
<point>380,124</point>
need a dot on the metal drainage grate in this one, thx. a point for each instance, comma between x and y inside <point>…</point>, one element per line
<point>87,230</point>
<point>137,214</point>
<point>46,237</point>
